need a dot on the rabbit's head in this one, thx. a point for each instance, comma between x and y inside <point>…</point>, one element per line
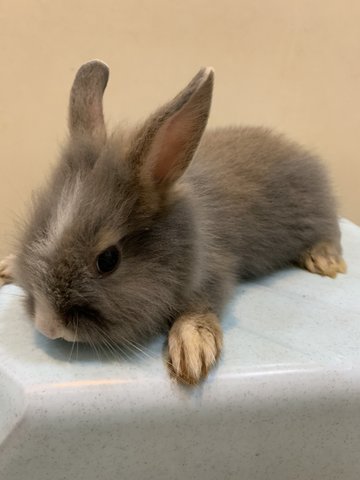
<point>109,252</point>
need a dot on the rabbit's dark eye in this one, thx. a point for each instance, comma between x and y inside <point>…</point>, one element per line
<point>108,260</point>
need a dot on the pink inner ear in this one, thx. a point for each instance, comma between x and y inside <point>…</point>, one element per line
<point>169,152</point>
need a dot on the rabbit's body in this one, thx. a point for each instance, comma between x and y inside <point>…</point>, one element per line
<point>264,200</point>
<point>151,228</point>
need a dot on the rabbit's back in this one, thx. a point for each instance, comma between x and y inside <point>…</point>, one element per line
<point>264,199</point>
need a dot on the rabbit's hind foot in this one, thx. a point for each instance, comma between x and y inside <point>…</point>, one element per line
<point>324,259</point>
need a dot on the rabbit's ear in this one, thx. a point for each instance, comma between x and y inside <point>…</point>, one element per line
<point>85,109</point>
<point>168,140</point>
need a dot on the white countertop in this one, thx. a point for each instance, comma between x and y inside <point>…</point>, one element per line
<point>283,403</point>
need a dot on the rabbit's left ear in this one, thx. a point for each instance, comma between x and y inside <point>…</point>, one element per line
<point>168,140</point>
<point>85,108</point>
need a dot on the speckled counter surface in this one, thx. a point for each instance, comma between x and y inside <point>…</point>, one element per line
<point>283,404</point>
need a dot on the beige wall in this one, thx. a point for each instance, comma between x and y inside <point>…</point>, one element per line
<point>294,65</point>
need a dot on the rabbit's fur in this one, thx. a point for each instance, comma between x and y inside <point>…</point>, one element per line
<point>191,213</point>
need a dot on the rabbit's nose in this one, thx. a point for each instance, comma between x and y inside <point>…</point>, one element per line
<point>48,327</point>
<point>47,323</point>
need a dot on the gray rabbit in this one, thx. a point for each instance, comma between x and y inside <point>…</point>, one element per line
<point>149,229</point>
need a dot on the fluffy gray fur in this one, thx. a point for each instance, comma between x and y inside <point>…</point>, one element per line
<point>192,213</point>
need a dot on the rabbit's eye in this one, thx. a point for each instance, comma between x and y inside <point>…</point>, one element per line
<point>108,260</point>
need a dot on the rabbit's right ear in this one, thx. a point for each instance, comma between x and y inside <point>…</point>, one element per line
<point>85,109</point>
<point>167,141</point>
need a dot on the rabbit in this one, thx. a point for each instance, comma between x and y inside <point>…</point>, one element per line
<point>149,229</point>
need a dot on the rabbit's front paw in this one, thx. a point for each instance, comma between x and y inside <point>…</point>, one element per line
<point>194,345</point>
<point>6,270</point>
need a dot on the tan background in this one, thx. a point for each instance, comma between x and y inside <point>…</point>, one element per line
<point>294,65</point>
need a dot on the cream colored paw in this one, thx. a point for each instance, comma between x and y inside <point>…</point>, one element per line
<point>324,259</point>
<point>6,270</point>
<point>194,345</point>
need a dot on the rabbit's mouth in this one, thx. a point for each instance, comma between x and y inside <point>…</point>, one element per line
<point>76,324</point>
<point>84,324</point>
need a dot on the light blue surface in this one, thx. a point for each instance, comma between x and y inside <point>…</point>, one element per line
<point>283,403</point>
